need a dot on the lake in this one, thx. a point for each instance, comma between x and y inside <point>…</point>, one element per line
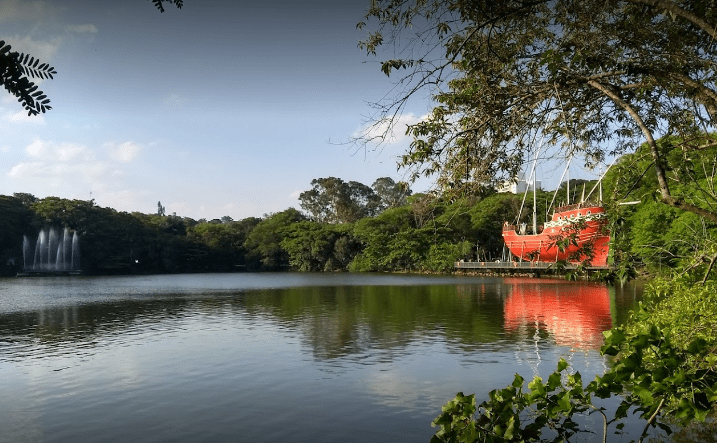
<point>281,357</point>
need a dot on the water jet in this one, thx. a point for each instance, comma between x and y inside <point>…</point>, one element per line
<point>52,254</point>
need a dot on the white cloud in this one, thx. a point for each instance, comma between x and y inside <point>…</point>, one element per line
<point>383,133</point>
<point>62,153</point>
<point>24,169</point>
<point>20,10</point>
<point>70,151</point>
<point>37,149</point>
<point>63,162</point>
<point>83,29</point>
<point>22,117</point>
<point>40,49</point>
<point>124,152</point>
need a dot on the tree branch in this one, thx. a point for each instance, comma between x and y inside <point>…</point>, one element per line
<point>667,197</point>
<point>678,11</point>
<point>650,420</point>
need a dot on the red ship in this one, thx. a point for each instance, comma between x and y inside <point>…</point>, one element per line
<point>580,224</point>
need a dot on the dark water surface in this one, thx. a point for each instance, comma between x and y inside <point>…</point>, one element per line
<point>278,357</point>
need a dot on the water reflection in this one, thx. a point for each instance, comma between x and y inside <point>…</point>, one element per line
<point>340,321</point>
<point>575,315</point>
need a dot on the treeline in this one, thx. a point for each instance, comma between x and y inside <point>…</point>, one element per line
<point>343,226</point>
<point>348,226</point>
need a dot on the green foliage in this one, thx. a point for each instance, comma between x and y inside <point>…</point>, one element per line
<point>443,256</point>
<point>664,371</point>
<point>412,238</point>
<point>377,236</point>
<point>225,240</point>
<point>313,246</point>
<point>332,200</point>
<point>263,244</point>
<point>15,71</point>
<point>390,193</point>
<point>657,234</point>
<point>15,220</point>
<point>589,78</point>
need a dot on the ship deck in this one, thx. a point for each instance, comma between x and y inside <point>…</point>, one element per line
<point>517,267</point>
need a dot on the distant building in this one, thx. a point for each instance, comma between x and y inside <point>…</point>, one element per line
<point>518,187</point>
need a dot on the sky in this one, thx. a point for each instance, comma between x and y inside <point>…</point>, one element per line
<point>223,107</point>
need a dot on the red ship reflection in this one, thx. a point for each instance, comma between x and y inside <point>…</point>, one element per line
<point>575,314</point>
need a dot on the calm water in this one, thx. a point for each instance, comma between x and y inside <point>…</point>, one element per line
<point>278,357</point>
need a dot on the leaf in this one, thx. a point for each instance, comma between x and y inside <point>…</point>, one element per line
<point>518,381</point>
<point>564,402</point>
<point>664,427</point>
<point>697,346</point>
<point>553,381</point>
<point>510,428</point>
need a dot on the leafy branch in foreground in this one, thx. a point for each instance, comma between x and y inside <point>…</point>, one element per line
<point>160,4</point>
<point>15,68</point>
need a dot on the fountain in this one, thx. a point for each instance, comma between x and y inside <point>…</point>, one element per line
<point>53,253</point>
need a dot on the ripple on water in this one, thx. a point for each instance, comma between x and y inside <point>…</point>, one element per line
<point>208,358</point>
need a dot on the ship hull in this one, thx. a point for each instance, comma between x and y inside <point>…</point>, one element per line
<point>567,237</point>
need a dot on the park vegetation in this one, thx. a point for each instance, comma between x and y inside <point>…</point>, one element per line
<point>628,78</point>
<point>343,226</point>
<point>635,79</point>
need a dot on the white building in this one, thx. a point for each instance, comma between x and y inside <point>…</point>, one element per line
<point>519,186</point>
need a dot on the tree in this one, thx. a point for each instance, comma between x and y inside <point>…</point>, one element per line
<point>332,200</point>
<point>661,235</point>
<point>263,243</point>
<point>16,69</point>
<point>592,78</point>
<point>316,246</point>
<point>25,198</point>
<point>392,194</point>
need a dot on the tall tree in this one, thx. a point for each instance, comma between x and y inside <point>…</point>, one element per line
<point>392,194</point>
<point>332,200</point>
<point>593,78</point>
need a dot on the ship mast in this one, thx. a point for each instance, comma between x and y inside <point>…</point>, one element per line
<point>567,182</point>
<point>535,199</point>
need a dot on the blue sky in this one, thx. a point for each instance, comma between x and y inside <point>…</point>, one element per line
<point>224,107</point>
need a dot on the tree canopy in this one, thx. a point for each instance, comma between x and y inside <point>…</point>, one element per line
<point>590,78</point>
<point>332,200</point>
